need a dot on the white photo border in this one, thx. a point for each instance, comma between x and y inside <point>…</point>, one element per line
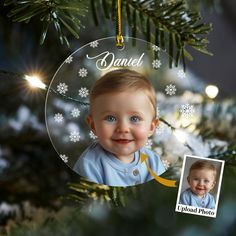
<point>198,210</point>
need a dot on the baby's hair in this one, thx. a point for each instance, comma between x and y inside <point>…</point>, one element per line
<point>203,164</point>
<point>120,81</point>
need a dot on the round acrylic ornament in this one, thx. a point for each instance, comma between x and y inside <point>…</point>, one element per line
<point>67,103</point>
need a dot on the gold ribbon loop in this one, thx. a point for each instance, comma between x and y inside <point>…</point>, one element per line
<point>119,37</point>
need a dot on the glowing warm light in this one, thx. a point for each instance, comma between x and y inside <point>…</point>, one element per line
<point>211,91</point>
<point>180,135</point>
<point>35,81</point>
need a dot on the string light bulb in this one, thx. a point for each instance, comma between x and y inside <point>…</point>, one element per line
<point>211,91</point>
<point>180,135</point>
<point>35,81</point>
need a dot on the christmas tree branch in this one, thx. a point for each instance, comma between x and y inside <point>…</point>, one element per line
<point>63,15</point>
<point>170,25</point>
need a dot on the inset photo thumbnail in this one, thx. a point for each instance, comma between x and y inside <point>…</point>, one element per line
<point>199,187</point>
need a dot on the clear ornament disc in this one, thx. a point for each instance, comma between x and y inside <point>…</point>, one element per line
<point>67,103</point>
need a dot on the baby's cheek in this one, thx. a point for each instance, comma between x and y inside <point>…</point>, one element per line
<point>141,132</point>
<point>103,131</point>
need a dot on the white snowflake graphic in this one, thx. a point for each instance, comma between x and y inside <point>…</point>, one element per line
<point>148,144</point>
<point>58,118</point>
<point>75,112</point>
<point>181,74</point>
<point>83,72</point>
<point>62,88</point>
<point>166,164</point>
<point>187,110</point>
<point>160,129</point>
<point>64,158</point>
<point>94,44</point>
<point>74,136</point>
<point>170,89</point>
<point>83,92</point>
<point>155,48</point>
<point>69,60</point>
<point>156,64</point>
<point>92,135</point>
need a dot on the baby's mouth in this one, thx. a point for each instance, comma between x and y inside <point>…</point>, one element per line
<point>122,141</point>
<point>200,189</point>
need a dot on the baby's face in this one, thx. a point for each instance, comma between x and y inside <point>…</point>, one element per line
<point>122,121</point>
<point>201,181</point>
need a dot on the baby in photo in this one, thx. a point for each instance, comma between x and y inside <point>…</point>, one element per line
<point>122,115</point>
<point>201,179</point>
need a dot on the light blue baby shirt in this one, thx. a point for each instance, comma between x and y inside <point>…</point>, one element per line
<point>102,167</point>
<point>187,197</point>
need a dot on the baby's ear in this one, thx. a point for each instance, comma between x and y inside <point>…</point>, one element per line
<point>213,185</point>
<point>90,123</point>
<point>188,179</point>
<point>153,126</point>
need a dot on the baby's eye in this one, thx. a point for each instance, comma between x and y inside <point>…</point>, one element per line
<point>110,118</point>
<point>135,119</point>
<point>206,181</point>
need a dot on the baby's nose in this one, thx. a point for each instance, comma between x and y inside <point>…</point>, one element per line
<point>201,182</point>
<point>123,126</point>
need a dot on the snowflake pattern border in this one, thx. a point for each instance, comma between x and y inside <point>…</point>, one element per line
<point>156,48</point>
<point>58,117</point>
<point>64,157</point>
<point>74,136</point>
<point>94,44</point>
<point>166,164</point>
<point>149,144</point>
<point>92,135</point>
<point>187,110</point>
<point>83,72</point>
<point>62,88</point>
<point>181,74</point>
<point>69,60</point>
<point>83,92</point>
<point>170,89</point>
<point>75,112</point>
<point>156,64</point>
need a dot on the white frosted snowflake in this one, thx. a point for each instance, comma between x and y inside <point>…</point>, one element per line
<point>166,164</point>
<point>74,136</point>
<point>148,144</point>
<point>83,72</point>
<point>64,158</point>
<point>160,129</point>
<point>83,92</point>
<point>75,112</point>
<point>62,88</point>
<point>92,135</point>
<point>156,48</point>
<point>94,44</point>
<point>69,60</point>
<point>156,64</point>
<point>187,110</point>
<point>170,89</point>
<point>58,118</point>
<point>181,74</point>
